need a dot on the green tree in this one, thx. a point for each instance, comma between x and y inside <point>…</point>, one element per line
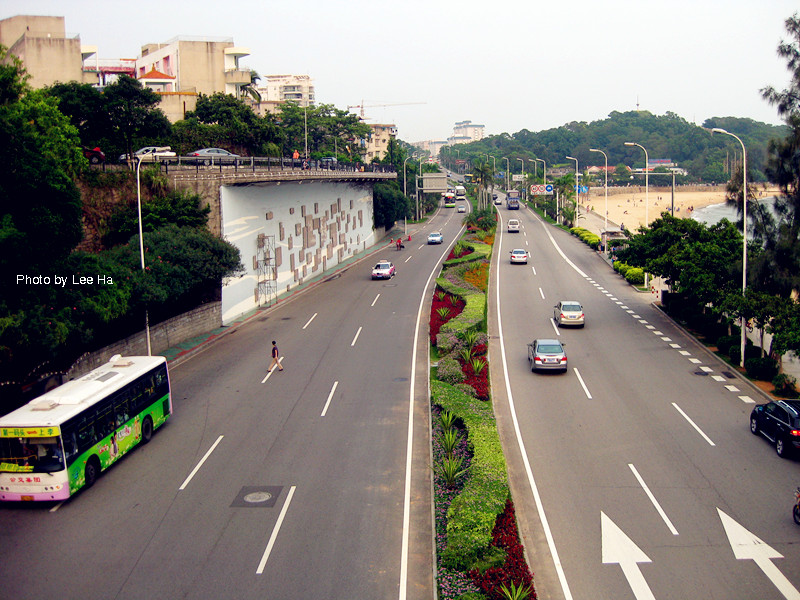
<point>389,204</point>
<point>133,114</point>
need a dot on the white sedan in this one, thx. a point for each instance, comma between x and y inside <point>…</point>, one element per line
<point>519,256</point>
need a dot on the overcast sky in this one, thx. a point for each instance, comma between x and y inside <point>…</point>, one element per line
<point>506,64</point>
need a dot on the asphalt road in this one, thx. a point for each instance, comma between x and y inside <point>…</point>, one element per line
<point>630,471</point>
<point>296,484</point>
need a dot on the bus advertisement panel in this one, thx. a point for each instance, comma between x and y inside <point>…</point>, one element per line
<point>61,441</point>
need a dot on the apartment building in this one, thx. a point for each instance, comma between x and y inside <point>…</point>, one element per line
<point>465,132</point>
<point>47,52</point>
<point>378,142</point>
<point>275,89</point>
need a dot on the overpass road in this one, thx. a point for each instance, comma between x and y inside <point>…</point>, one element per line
<point>634,474</point>
<point>313,482</point>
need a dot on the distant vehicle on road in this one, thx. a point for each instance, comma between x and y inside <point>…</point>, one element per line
<point>518,255</point>
<point>148,154</point>
<point>569,312</point>
<point>779,422</point>
<point>383,270</point>
<point>461,192</point>
<point>449,199</point>
<point>95,155</point>
<point>208,156</point>
<point>512,199</point>
<point>547,355</point>
<point>462,208</point>
<point>513,226</point>
<point>435,237</point>
<point>495,198</point>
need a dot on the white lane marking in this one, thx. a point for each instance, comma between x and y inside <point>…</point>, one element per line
<point>374,301</point>
<point>685,353</point>
<point>541,293</point>
<point>200,464</point>
<point>403,591</point>
<point>353,343</point>
<point>747,399</point>
<point>333,389</point>
<point>666,339</point>
<point>695,361</point>
<point>309,321</point>
<point>693,424</point>
<point>650,495</point>
<point>719,378</point>
<point>275,531</point>
<point>731,388</point>
<point>676,346</point>
<point>57,506</point>
<point>551,543</point>
<point>555,327</point>
<point>269,373</point>
<point>583,385</point>
<point>534,269</point>
<point>408,259</point>
<point>706,369</point>
<point>658,332</point>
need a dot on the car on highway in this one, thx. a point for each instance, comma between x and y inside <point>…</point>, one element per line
<point>94,155</point>
<point>435,237</point>
<point>513,226</point>
<point>518,255</point>
<point>384,269</point>
<point>569,312</point>
<point>547,355</point>
<point>779,422</point>
<point>207,156</point>
<point>148,154</point>
<point>462,208</point>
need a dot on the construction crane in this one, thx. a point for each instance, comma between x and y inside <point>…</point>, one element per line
<point>362,106</point>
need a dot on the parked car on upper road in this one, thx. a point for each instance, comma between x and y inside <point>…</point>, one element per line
<point>435,237</point>
<point>95,155</point>
<point>148,154</point>
<point>207,156</point>
<point>383,270</point>
<point>547,355</point>
<point>518,255</point>
<point>779,422</point>
<point>569,312</point>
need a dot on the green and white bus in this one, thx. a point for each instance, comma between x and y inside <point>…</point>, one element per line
<point>61,441</point>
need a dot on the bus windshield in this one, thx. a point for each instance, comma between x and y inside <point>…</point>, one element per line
<point>31,454</point>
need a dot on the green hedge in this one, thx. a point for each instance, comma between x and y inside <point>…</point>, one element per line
<point>479,252</point>
<point>586,236</point>
<point>472,514</point>
<point>474,311</point>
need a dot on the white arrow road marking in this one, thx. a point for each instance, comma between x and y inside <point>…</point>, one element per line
<point>618,548</point>
<point>747,546</point>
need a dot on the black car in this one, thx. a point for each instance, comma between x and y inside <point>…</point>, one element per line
<point>779,422</point>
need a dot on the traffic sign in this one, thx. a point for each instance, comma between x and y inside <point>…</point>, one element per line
<point>542,190</point>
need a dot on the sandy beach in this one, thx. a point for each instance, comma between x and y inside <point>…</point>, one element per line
<point>627,205</point>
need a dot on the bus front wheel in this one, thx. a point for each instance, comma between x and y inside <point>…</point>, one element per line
<point>147,429</point>
<point>91,471</point>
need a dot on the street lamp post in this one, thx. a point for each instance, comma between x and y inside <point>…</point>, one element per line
<point>505,158</point>
<point>523,177</point>
<point>646,193</point>
<point>544,170</point>
<point>744,232</point>
<point>605,244</point>
<point>577,188</point>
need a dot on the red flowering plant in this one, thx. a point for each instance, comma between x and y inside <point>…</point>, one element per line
<point>514,570</point>
<point>443,308</point>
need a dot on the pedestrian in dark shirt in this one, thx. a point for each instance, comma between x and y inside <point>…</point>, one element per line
<point>275,355</point>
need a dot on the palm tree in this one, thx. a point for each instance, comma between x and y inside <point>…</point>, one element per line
<point>249,89</point>
<point>484,177</point>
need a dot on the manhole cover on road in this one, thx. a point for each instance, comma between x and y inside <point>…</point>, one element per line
<point>257,496</point>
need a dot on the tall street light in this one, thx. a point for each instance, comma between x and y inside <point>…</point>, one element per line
<point>544,170</point>
<point>646,193</point>
<point>577,194</point>
<point>744,231</point>
<point>522,160</point>
<point>162,152</point>
<point>605,245</point>
<point>505,158</point>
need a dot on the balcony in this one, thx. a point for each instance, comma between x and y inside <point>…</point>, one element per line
<point>237,76</point>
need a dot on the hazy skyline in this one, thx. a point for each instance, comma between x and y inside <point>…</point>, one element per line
<point>508,65</point>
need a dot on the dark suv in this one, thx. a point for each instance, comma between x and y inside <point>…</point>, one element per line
<point>779,422</point>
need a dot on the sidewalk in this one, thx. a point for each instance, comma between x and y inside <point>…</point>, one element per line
<point>192,346</point>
